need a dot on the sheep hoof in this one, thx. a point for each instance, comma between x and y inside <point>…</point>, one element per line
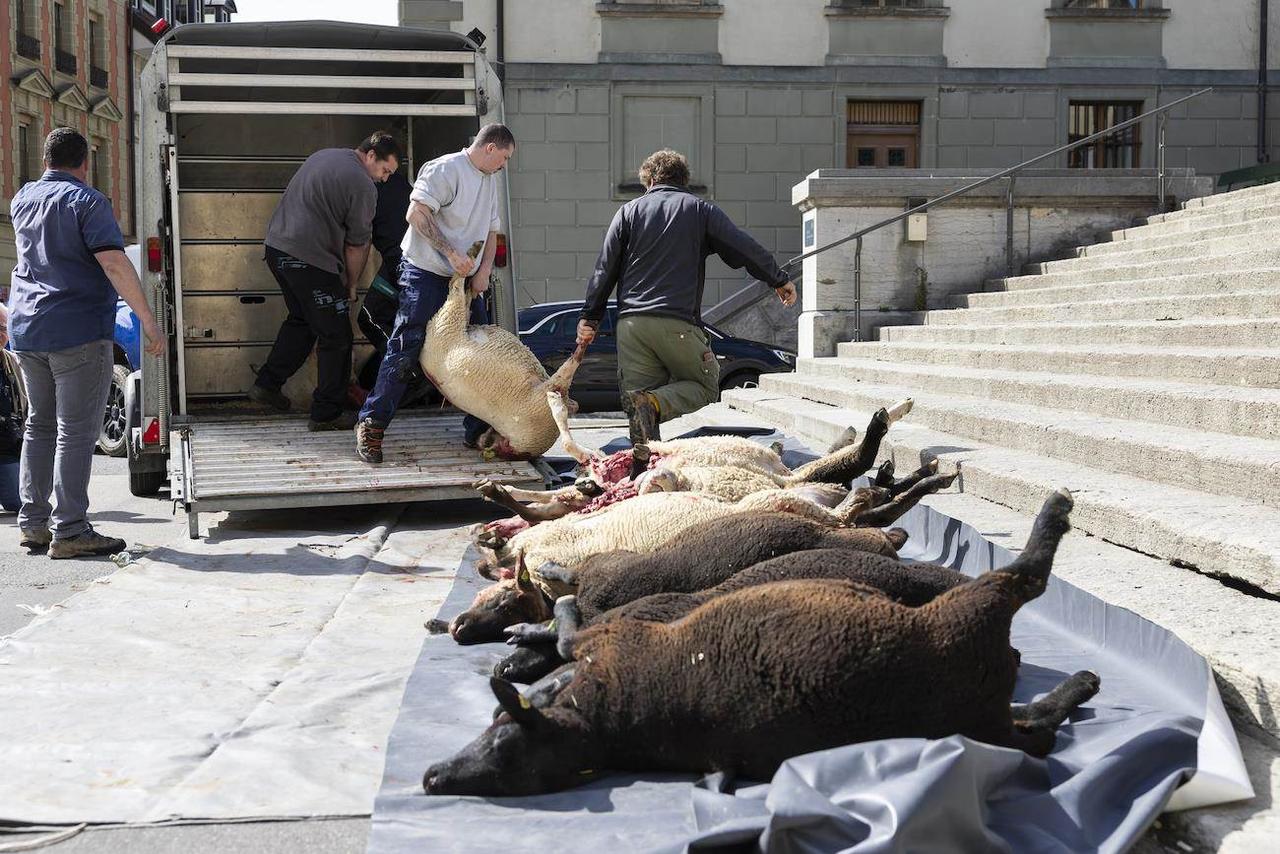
<point>588,487</point>
<point>488,489</point>
<point>899,409</point>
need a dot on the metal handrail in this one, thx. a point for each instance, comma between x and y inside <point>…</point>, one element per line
<point>1009,173</point>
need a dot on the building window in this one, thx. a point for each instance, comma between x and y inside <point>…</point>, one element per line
<point>887,4</point>
<point>97,54</point>
<point>1105,4</point>
<point>27,167</point>
<point>64,57</point>
<point>27,15</point>
<point>646,119</point>
<point>99,174</point>
<point>1120,150</point>
<point>883,134</point>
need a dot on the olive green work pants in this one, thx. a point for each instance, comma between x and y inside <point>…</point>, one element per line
<point>670,358</point>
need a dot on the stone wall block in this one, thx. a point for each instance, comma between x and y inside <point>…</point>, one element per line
<point>547,99</point>
<point>528,127</point>
<point>953,105</point>
<point>592,155</point>
<point>578,128</point>
<point>806,130</point>
<point>552,156</point>
<point>527,185</point>
<point>774,102</point>
<point>747,187</point>
<point>731,102</point>
<point>961,132</point>
<point>775,158</point>
<point>546,213</point>
<point>995,105</point>
<point>578,185</point>
<point>818,102</point>
<point>747,130</point>
<point>731,158</point>
<point>593,100</point>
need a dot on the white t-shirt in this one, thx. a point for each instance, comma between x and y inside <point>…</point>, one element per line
<point>465,203</point>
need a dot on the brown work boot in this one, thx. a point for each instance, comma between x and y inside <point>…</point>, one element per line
<point>36,538</point>
<point>642,413</point>
<point>85,544</point>
<point>369,440</point>
<point>345,421</point>
<point>269,397</point>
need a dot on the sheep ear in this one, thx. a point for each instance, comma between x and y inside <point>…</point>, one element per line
<point>524,581</point>
<point>514,703</point>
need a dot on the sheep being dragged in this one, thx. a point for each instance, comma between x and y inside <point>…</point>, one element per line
<point>488,372</point>
<point>752,678</point>
<point>728,467</point>
<point>697,558</point>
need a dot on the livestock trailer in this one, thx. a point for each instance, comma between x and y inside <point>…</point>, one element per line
<point>228,112</point>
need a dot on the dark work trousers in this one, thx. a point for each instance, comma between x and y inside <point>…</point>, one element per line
<point>318,317</point>
<point>421,295</point>
<point>377,320</point>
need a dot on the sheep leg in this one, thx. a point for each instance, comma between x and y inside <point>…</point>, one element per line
<point>900,486</point>
<point>887,514</point>
<point>528,634</point>
<point>560,414</point>
<point>1056,706</point>
<point>1031,568</point>
<point>528,664</point>
<point>857,502</point>
<point>884,475</point>
<point>567,621</point>
<point>563,377</point>
<point>498,494</point>
<point>588,487</point>
<point>555,572</point>
<point>850,462</point>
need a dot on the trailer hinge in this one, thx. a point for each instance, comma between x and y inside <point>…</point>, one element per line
<point>482,101</point>
<point>162,99</point>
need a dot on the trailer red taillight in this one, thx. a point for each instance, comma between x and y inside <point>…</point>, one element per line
<point>151,435</point>
<point>154,259</point>
<point>500,251</point>
<point>159,26</point>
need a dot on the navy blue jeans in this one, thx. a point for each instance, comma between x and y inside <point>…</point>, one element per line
<point>421,295</point>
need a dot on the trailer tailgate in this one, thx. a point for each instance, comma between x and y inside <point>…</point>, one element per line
<point>236,464</point>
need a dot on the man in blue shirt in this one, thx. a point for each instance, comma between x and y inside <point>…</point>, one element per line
<point>60,323</point>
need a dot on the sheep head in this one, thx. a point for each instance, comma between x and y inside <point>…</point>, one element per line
<point>510,601</point>
<point>526,751</point>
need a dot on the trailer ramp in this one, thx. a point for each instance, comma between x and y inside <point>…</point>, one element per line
<point>270,463</point>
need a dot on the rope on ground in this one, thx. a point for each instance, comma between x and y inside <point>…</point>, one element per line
<point>51,839</point>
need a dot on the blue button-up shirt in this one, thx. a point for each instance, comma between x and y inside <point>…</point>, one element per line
<point>60,297</point>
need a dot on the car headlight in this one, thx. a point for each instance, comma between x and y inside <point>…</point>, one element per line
<point>788,358</point>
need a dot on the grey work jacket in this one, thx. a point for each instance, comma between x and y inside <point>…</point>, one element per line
<point>655,254</point>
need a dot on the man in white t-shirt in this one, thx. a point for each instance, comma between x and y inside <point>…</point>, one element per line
<point>454,203</point>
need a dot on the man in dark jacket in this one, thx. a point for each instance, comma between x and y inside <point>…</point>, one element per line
<point>655,253</point>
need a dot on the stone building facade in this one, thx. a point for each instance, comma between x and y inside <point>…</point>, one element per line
<point>759,93</point>
<point>65,62</point>
<point>71,63</point>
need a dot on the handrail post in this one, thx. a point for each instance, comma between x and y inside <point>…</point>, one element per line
<point>857,290</point>
<point>1160,182</point>
<point>1008,229</point>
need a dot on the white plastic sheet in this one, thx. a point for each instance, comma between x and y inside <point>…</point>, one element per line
<point>254,675</point>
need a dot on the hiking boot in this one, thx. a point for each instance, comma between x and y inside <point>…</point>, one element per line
<point>35,538</point>
<point>87,543</point>
<point>345,421</point>
<point>269,397</point>
<point>369,440</point>
<point>642,414</point>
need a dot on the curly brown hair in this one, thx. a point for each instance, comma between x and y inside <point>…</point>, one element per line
<point>665,167</point>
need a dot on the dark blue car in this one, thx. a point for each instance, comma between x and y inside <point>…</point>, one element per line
<point>550,331</point>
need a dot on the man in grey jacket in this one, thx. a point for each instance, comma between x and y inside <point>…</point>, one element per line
<point>654,253</point>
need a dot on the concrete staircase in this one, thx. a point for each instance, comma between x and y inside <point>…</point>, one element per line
<point>1144,375</point>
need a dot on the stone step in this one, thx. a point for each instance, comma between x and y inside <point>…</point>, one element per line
<point>1248,468</point>
<point>1243,240</point>
<point>1206,233</point>
<point>1207,205</point>
<point>1255,304</point>
<point>1244,215</point>
<point>1193,332</point>
<point>1221,282</point>
<point>1254,259</point>
<point>1219,366</point>
<point>1217,534</point>
<point>1251,412</point>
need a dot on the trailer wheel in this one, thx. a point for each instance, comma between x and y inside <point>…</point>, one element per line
<point>112,439</point>
<point>145,483</point>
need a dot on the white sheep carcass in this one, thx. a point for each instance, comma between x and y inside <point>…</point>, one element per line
<point>487,372</point>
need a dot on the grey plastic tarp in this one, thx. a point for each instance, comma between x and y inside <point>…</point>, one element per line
<point>1157,723</point>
